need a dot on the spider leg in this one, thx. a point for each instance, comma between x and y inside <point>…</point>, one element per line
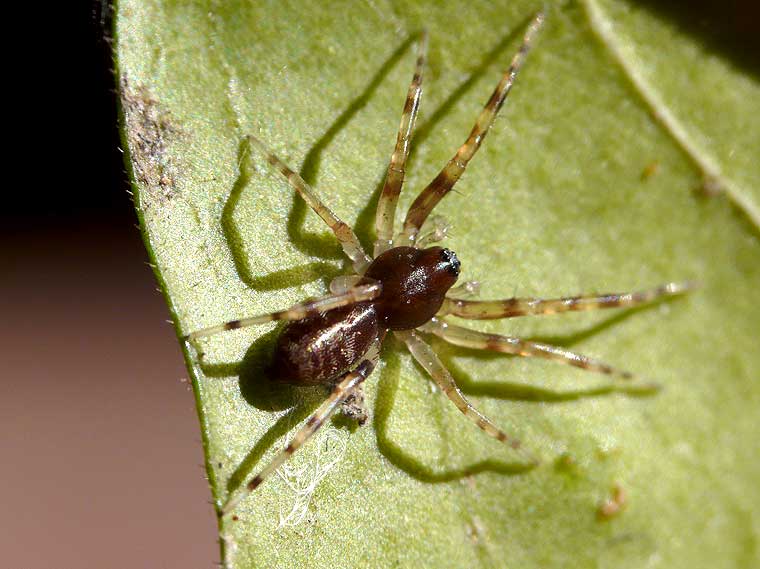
<point>445,180</point>
<point>428,359</point>
<point>439,230</point>
<point>511,307</point>
<point>297,311</point>
<point>340,393</point>
<point>509,345</point>
<point>342,231</point>
<point>467,289</point>
<point>386,206</point>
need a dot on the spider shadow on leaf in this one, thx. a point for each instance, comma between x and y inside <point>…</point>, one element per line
<point>254,376</point>
<point>310,171</point>
<point>323,245</point>
<point>252,370</point>
<point>388,386</point>
<point>258,389</point>
<point>277,280</point>
<point>531,393</point>
<point>365,221</point>
<point>491,57</point>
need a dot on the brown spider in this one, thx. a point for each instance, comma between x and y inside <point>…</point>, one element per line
<point>335,340</point>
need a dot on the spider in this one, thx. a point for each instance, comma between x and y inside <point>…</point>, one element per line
<point>407,287</point>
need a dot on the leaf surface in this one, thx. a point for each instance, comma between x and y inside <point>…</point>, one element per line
<point>580,187</point>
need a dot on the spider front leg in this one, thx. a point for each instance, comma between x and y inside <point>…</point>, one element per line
<point>512,307</point>
<point>340,393</point>
<point>445,180</point>
<point>467,289</point>
<point>509,345</point>
<point>430,362</point>
<point>440,228</point>
<point>386,206</point>
<point>297,311</point>
<point>345,235</point>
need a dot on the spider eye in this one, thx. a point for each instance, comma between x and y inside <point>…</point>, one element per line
<point>450,258</point>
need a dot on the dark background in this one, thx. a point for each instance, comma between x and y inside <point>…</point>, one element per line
<point>98,434</point>
<point>99,440</point>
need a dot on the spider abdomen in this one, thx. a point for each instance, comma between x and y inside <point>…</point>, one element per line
<point>320,348</point>
<point>415,282</point>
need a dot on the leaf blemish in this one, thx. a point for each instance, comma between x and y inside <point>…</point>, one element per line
<point>475,531</point>
<point>614,505</point>
<point>148,129</point>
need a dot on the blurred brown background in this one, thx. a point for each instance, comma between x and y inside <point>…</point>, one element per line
<point>99,441</point>
<point>101,454</point>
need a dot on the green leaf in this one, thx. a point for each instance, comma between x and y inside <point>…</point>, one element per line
<point>586,183</point>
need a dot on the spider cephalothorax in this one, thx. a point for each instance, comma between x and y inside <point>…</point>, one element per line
<point>414,284</point>
<point>334,340</point>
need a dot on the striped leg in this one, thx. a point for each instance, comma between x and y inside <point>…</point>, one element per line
<point>341,392</point>
<point>509,345</point>
<point>444,182</point>
<point>428,359</point>
<point>343,232</point>
<point>297,311</point>
<point>511,307</point>
<point>386,206</point>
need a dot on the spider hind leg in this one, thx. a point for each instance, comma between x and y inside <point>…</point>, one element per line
<point>430,362</point>
<point>342,391</point>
